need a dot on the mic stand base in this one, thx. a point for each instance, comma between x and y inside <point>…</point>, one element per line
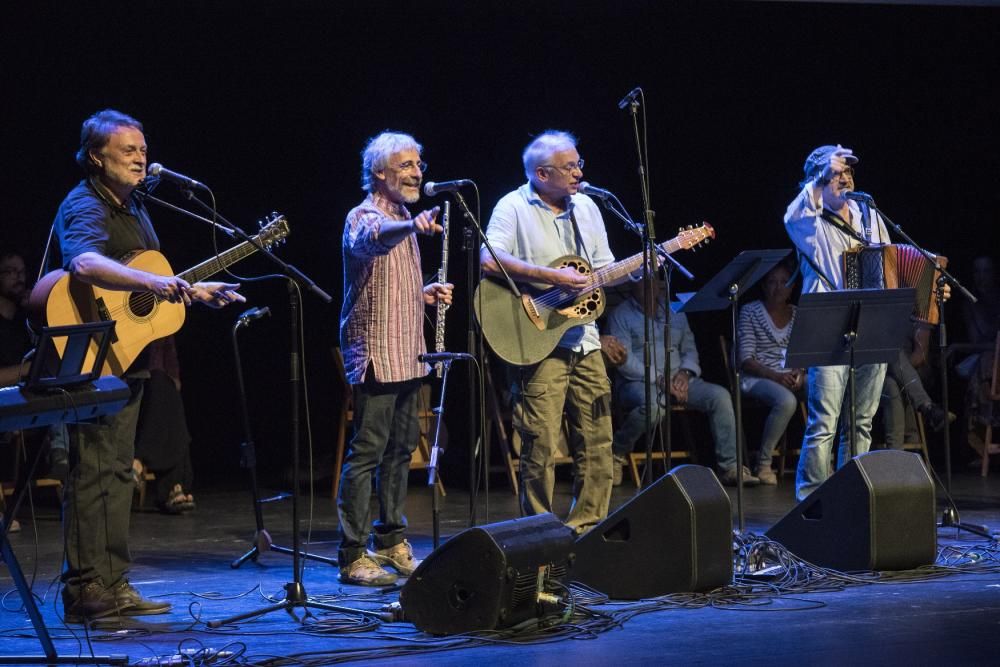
<point>951,519</point>
<point>296,598</point>
<point>262,543</point>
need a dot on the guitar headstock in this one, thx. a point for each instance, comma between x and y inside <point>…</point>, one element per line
<point>692,237</point>
<point>273,229</point>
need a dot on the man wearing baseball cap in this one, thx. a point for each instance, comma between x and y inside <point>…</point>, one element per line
<point>822,224</point>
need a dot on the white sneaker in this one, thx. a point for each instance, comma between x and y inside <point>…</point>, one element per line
<point>399,557</point>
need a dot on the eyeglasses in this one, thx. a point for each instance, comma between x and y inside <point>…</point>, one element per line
<point>569,167</point>
<point>410,165</point>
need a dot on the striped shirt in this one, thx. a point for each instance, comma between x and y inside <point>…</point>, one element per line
<point>381,323</point>
<point>760,339</point>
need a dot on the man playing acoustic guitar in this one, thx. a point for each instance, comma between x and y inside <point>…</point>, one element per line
<point>543,220</point>
<point>99,223</point>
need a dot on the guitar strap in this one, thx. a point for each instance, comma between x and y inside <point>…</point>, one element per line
<point>581,247</point>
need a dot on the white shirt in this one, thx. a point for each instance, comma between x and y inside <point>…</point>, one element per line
<point>823,243</point>
<point>524,226</point>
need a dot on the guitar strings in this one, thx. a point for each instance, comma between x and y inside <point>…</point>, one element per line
<point>554,296</point>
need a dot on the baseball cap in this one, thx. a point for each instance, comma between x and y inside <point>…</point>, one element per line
<point>820,157</point>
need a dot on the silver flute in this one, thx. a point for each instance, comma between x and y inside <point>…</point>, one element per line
<point>442,307</point>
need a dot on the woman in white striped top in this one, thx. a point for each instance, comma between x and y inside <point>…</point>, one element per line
<point>764,329</point>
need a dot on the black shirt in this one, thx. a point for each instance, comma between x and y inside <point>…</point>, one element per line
<point>87,221</point>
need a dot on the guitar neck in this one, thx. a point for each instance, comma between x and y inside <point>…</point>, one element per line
<point>215,264</point>
<point>612,273</point>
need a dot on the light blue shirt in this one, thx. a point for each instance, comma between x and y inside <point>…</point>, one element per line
<point>823,243</point>
<point>524,226</point>
<point>626,324</point>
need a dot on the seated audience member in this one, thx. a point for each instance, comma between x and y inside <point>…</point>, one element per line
<point>685,387</point>
<point>903,380</point>
<point>763,331</point>
<point>162,442</point>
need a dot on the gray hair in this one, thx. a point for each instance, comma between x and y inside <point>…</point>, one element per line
<point>543,146</point>
<point>377,152</point>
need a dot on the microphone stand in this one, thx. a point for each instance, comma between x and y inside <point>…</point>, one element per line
<point>248,459</point>
<point>950,517</point>
<point>445,359</point>
<point>649,313</point>
<point>475,343</point>
<point>295,593</point>
<point>648,242</point>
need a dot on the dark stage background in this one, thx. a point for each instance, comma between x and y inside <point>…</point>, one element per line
<point>271,103</point>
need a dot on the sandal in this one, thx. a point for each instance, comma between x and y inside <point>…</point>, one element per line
<point>178,501</point>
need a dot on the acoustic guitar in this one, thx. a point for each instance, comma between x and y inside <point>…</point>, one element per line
<point>58,299</point>
<point>524,331</point>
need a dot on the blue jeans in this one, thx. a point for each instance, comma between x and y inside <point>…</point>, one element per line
<point>828,400</point>
<point>703,396</point>
<point>782,402</point>
<point>386,429</point>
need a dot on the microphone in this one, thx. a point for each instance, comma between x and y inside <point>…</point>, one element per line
<point>253,314</point>
<point>628,99</point>
<point>158,170</point>
<point>431,188</point>
<point>857,195</point>
<point>434,357</point>
<point>586,188</point>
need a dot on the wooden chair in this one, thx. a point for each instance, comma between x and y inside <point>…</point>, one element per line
<point>782,449</point>
<point>637,459</point>
<point>427,417</point>
<point>989,446</point>
<point>498,422</point>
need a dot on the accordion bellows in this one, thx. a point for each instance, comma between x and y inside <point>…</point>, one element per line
<point>892,267</point>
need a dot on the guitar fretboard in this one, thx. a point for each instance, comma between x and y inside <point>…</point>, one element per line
<point>213,265</point>
<point>617,270</point>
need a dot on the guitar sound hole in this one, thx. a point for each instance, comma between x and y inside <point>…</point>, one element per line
<point>141,303</point>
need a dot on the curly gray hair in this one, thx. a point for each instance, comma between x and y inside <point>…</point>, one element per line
<point>377,152</point>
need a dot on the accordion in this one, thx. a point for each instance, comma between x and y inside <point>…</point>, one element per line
<point>892,267</point>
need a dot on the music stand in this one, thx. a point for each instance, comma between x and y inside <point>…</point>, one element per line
<point>724,291</point>
<point>850,328</point>
<point>49,371</point>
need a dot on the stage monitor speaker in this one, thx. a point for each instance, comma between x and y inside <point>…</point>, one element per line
<point>489,577</point>
<point>674,536</point>
<point>875,513</point>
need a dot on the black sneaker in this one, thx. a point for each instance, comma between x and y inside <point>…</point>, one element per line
<point>133,604</point>
<point>936,417</point>
<point>94,602</point>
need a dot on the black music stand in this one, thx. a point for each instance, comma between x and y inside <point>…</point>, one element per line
<point>49,371</point>
<point>724,291</point>
<point>850,328</point>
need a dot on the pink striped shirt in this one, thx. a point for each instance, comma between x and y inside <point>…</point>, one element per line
<point>381,322</point>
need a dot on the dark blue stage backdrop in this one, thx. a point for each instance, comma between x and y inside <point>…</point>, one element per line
<point>270,103</point>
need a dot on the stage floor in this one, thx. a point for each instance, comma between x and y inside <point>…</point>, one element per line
<point>950,619</point>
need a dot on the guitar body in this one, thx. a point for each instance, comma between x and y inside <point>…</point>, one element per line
<point>524,331</point>
<point>523,339</point>
<point>139,317</point>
